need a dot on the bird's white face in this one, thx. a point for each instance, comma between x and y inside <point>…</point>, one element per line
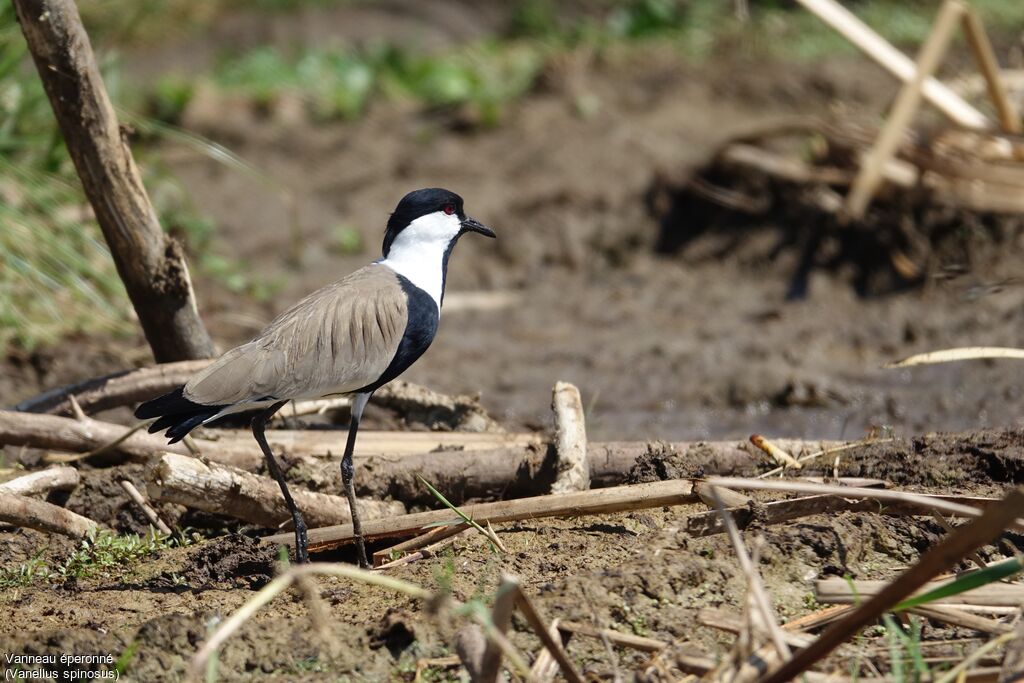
<point>418,251</point>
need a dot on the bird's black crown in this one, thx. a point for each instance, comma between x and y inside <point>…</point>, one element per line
<point>419,203</point>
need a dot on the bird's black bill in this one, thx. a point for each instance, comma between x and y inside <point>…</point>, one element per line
<point>474,225</point>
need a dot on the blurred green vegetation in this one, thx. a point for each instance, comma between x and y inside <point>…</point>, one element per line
<point>56,277</point>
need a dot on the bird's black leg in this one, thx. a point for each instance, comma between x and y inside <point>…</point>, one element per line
<point>259,423</point>
<point>348,471</point>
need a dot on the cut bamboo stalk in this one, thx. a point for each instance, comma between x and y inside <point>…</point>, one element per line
<point>594,502</point>
<point>992,523</point>
<point>839,591</point>
<point>906,105</point>
<point>224,490</point>
<point>42,481</point>
<point>985,56</point>
<point>570,440</point>
<point>31,513</point>
<point>895,62</point>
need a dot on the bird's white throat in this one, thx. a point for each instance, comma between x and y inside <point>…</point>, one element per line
<point>418,252</point>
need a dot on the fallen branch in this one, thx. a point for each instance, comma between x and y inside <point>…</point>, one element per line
<point>78,435</point>
<point>595,502</point>
<point>42,481</point>
<point>30,513</point>
<point>224,490</point>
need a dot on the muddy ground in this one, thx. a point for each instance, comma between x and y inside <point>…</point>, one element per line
<point>697,344</point>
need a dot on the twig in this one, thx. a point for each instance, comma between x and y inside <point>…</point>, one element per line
<point>42,481</point>
<point>992,523</point>
<point>488,533</point>
<point>539,627</point>
<point>754,581</point>
<point>960,353</point>
<point>146,508</point>
<point>984,55</point>
<point>974,557</point>
<point>570,440</point>
<point>951,615</point>
<point>544,665</point>
<point>907,103</point>
<point>895,62</point>
<point>622,639</point>
<point>431,537</point>
<point>825,451</point>
<point>36,514</point>
<point>501,617</point>
<point>779,455</point>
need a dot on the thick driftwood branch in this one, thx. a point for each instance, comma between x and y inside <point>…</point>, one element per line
<point>249,497</point>
<point>570,440</point>
<point>42,481</point>
<point>77,436</point>
<point>36,514</point>
<point>151,264</point>
<point>122,388</point>
<point>598,502</point>
<point>129,387</point>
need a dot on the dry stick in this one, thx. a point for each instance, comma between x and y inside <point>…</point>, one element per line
<point>957,617</point>
<point>544,665</point>
<point>992,523</point>
<point>974,557</point>
<point>907,103</point>
<point>826,451</point>
<point>754,581</point>
<point>151,264</point>
<point>501,618</point>
<point>249,497</point>
<point>977,38</point>
<point>553,645</point>
<point>839,590</point>
<point>779,455</point>
<point>595,502</point>
<point>925,501</point>
<point>428,551</point>
<point>895,62</point>
<point>615,637</point>
<point>146,508</point>
<point>570,440</point>
<point>42,481</point>
<point>954,673</point>
<point>434,535</point>
<point>36,514</point>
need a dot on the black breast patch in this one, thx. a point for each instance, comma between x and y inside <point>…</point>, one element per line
<point>419,333</point>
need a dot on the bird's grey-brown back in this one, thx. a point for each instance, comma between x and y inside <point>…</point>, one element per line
<point>338,339</point>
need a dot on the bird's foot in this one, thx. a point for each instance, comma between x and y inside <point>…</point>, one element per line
<point>361,553</point>
<point>301,542</point>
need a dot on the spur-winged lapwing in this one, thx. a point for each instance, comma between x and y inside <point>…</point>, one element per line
<point>351,337</point>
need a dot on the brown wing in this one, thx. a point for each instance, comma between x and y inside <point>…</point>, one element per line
<point>336,340</point>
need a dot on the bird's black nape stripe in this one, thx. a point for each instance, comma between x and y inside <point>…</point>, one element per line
<point>176,414</point>
<point>420,329</point>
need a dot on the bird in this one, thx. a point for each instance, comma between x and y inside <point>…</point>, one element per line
<point>347,338</point>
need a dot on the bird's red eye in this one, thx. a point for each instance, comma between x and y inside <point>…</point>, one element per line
<point>449,209</point>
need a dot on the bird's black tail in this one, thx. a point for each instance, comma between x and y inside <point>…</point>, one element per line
<point>177,414</point>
